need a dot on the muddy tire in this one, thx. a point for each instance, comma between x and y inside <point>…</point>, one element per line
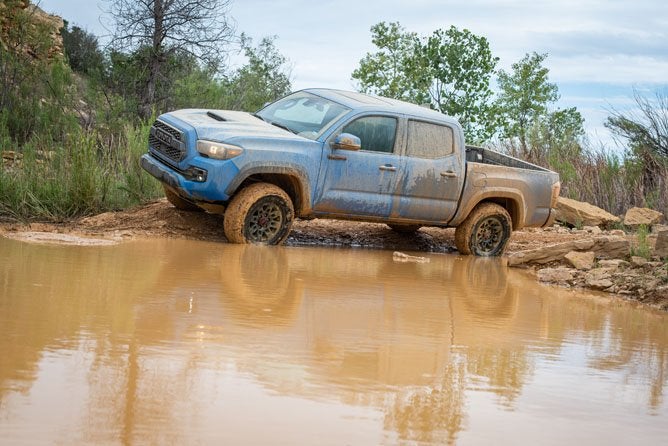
<point>260,214</point>
<point>404,229</point>
<point>485,232</point>
<point>179,203</point>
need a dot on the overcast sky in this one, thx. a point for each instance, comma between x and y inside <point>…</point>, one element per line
<point>599,50</point>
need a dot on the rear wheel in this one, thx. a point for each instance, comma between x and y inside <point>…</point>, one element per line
<point>180,203</point>
<point>404,229</point>
<point>485,232</point>
<point>261,213</point>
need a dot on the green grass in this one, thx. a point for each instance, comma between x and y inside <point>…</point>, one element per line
<point>82,176</point>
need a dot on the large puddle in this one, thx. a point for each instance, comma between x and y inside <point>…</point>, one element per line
<point>180,342</point>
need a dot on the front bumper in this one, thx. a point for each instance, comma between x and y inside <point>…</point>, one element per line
<point>200,184</point>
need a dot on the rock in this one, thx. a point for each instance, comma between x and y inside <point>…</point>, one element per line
<point>599,278</point>
<point>638,261</point>
<point>661,245</point>
<point>601,284</point>
<point>618,232</point>
<point>603,246</point>
<point>578,213</point>
<point>556,275</point>
<point>581,260</point>
<point>642,216</point>
<point>614,263</point>
<point>404,258</point>
<point>592,230</point>
<point>658,228</point>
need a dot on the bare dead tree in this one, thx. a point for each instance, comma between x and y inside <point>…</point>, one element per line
<point>200,28</point>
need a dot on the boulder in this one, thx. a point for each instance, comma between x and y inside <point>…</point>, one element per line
<point>556,275</point>
<point>578,213</point>
<point>599,278</point>
<point>603,246</point>
<point>642,216</point>
<point>661,246</point>
<point>581,260</point>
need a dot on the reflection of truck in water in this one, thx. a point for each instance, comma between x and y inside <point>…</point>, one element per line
<point>336,154</point>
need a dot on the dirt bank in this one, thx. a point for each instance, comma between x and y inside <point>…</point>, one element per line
<point>160,219</point>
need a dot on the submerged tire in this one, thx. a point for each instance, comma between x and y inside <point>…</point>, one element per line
<point>179,203</point>
<point>261,214</point>
<point>485,232</point>
<point>404,229</point>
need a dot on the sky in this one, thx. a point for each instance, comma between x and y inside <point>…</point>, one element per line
<point>599,51</point>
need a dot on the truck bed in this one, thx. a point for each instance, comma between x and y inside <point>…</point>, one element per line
<point>485,156</point>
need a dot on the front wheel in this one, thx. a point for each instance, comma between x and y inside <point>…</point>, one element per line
<point>485,232</point>
<point>260,214</point>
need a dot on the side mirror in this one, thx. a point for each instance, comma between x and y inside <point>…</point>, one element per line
<point>346,141</point>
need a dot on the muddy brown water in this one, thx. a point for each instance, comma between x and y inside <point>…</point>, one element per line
<point>183,342</point>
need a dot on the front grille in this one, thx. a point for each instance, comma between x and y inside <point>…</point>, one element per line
<point>167,142</point>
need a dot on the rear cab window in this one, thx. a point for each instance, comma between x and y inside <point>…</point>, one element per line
<point>429,140</point>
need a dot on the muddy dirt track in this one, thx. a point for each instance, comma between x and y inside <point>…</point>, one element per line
<point>160,219</point>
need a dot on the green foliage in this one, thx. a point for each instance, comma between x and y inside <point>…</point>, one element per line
<point>451,70</point>
<point>264,78</point>
<point>82,50</point>
<point>389,72</point>
<point>642,248</point>
<point>525,96</point>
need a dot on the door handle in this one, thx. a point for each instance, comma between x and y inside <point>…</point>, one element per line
<point>337,157</point>
<point>389,167</point>
<point>449,174</point>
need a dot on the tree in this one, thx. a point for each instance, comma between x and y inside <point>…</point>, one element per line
<point>524,98</point>
<point>385,72</point>
<point>458,66</point>
<point>450,70</point>
<point>82,50</point>
<point>163,28</point>
<point>264,78</point>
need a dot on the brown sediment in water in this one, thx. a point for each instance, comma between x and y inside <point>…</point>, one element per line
<point>188,342</point>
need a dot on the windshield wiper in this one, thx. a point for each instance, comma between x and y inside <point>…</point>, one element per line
<point>282,126</point>
<point>258,116</point>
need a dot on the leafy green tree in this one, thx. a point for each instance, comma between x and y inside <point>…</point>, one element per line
<point>387,71</point>
<point>82,50</point>
<point>524,97</point>
<point>458,66</point>
<point>264,78</point>
<point>450,70</point>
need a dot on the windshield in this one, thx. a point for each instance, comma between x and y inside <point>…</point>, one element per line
<point>303,113</point>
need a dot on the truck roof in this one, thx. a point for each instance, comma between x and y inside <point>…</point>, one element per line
<point>356,101</point>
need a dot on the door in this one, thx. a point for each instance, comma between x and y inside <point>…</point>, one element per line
<point>432,174</point>
<point>361,182</point>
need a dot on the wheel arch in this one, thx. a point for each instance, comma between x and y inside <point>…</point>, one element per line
<point>292,180</point>
<point>511,201</point>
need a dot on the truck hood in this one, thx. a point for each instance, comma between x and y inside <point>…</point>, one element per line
<point>228,125</point>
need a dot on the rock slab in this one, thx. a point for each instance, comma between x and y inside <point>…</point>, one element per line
<point>604,246</point>
<point>579,213</point>
<point>642,216</point>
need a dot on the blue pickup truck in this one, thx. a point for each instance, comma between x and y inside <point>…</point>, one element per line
<point>321,153</point>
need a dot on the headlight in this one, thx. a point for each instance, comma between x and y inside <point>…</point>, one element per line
<point>218,150</point>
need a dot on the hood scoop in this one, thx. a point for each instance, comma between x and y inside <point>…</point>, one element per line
<point>215,116</point>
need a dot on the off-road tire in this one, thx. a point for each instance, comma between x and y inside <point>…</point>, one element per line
<point>179,203</point>
<point>261,214</point>
<point>404,229</point>
<point>485,232</point>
